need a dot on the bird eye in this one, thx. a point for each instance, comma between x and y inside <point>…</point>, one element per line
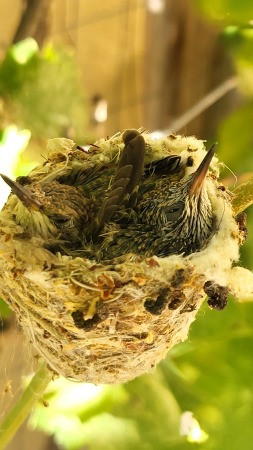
<point>173,211</point>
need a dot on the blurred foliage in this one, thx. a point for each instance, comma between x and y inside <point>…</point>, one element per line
<point>235,134</point>
<point>227,11</point>
<point>41,90</point>
<point>212,373</point>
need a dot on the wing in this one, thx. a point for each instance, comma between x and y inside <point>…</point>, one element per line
<point>165,166</point>
<point>124,188</point>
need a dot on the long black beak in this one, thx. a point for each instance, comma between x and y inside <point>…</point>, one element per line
<point>22,193</point>
<point>199,176</point>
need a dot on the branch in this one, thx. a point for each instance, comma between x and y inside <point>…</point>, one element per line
<point>205,103</point>
<point>33,22</point>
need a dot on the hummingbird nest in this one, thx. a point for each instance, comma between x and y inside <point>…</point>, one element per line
<point>109,319</point>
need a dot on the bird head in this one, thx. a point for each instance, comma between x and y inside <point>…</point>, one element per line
<point>52,211</point>
<point>28,209</point>
<point>182,213</point>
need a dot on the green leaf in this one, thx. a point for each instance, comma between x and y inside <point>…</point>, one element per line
<point>5,311</point>
<point>243,196</point>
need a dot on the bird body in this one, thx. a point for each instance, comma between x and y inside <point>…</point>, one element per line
<point>165,221</point>
<point>130,201</point>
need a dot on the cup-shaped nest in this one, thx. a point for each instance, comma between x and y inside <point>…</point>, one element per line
<point>109,321</point>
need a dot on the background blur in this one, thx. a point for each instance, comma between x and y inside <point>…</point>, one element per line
<point>86,69</point>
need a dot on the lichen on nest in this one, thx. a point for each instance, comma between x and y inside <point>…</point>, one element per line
<point>108,320</point>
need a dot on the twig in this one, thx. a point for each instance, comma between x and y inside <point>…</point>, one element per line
<point>202,105</point>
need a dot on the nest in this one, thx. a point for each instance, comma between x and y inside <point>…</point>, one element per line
<point>109,322</point>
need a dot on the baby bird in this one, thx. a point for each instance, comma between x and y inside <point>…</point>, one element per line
<point>146,210</point>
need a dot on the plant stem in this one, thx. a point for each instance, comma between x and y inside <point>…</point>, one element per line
<point>23,406</point>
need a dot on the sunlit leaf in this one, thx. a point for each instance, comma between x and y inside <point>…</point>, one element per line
<point>24,50</point>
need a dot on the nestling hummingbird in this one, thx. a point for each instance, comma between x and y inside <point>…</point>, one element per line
<point>114,209</point>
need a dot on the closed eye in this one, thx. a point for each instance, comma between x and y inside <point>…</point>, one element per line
<point>173,212</point>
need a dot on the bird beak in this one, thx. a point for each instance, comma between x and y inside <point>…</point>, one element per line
<point>22,193</point>
<point>200,174</point>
